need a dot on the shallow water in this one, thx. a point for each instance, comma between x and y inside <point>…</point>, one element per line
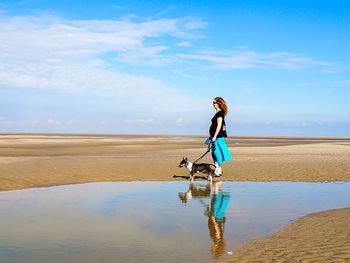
<point>151,221</point>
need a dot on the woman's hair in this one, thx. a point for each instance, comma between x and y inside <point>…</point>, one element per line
<point>222,104</point>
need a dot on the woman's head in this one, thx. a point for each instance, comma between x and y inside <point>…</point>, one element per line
<point>221,104</point>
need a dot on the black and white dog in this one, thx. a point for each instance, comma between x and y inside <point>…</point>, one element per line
<point>198,168</point>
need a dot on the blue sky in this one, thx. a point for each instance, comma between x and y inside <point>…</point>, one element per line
<point>155,66</point>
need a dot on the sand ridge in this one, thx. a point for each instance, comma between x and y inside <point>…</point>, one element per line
<point>317,237</point>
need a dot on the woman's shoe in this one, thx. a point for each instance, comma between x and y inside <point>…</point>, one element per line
<point>217,171</point>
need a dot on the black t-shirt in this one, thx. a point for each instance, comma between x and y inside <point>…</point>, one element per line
<point>214,124</point>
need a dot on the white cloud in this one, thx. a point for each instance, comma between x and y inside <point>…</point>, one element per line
<point>181,121</point>
<point>6,121</point>
<point>187,76</point>
<point>194,24</point>
<point>341,83</point>
<point>77,57</point>
<point>50,122</point>
<point>69,56</point>
<point>246,59</point>
<point>27,37</point>
<point>53,122</point>
<point>141,122</point>
<point>184,44</point>
<point>151,56</point>
<point>51,53</point>
<point>26,122</point>
<point>47,42</point>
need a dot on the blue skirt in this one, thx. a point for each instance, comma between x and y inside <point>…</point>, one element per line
<point>221,153</point>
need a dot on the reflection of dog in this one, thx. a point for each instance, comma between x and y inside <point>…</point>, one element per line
<point>197,192</point>
<point>197,168</point>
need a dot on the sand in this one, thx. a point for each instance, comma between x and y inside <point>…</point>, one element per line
<point>318,237</point>
<point>39,160</point>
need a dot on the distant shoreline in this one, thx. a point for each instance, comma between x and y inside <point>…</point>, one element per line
<point>173,135</point>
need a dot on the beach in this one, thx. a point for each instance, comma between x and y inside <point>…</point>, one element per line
<point>39,160</point>
<point>42,160</point>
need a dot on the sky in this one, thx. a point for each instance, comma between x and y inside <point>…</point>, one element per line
<point>154,67</point>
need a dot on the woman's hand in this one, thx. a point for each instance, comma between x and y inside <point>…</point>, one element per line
<point>213,139</point>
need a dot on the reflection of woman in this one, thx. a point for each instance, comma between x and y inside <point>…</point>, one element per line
<point>216,220</point>
<point>217,131</point>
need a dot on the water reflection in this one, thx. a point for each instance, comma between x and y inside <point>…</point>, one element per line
<point>215,210</point>
<point>151,221</point>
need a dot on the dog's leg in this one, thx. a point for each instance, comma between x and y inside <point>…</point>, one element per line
<point>210,178</point>
<point>191,177</point>
<point>209,172</point>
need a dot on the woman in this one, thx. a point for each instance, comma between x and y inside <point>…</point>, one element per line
<point>217,131</point>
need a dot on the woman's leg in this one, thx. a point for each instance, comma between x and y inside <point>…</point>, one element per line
<point>217,159</point>
<point>225,152</point>
<point>220,143</point>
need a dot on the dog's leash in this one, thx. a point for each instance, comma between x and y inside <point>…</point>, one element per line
<point>210,146</point>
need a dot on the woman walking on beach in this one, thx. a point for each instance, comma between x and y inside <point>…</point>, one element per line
<point>217,131</point>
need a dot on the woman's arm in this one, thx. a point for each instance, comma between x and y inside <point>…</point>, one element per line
<point>217,128</point>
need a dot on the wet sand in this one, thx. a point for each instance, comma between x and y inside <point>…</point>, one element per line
<point>318,237</point>
<point>39,160</point>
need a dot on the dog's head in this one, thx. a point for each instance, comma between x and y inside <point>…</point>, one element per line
<point>183,162</point>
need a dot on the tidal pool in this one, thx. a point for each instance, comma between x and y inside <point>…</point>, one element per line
<point>152,221</point>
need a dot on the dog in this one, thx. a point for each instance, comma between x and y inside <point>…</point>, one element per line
<point>197,168</point>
